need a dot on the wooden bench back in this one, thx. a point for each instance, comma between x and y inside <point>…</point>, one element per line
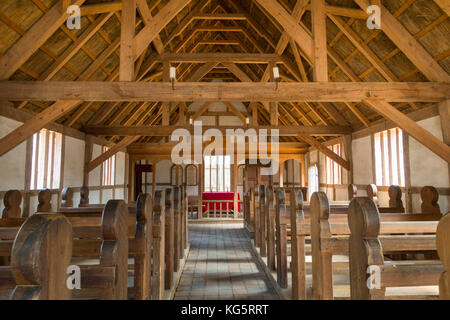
<point>39,258</point>
<point>443,248</point>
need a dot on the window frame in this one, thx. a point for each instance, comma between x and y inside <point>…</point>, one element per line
<point>222,173</point>
<point>389,158</point>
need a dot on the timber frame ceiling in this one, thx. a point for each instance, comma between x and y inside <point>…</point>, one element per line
<point>355,53</point>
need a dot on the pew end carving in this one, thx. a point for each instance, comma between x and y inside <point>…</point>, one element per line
<point>40,256</point>
<point>12,201</point>
<point>45,201</point>
<point>67,197</point>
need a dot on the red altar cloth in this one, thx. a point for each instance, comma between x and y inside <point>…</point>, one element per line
<point>219,196</point>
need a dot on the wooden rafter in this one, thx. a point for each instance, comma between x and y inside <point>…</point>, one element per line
<point>411,127</point>
<point>35,37</point>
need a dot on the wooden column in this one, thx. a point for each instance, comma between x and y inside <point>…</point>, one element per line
<point>88,147</point>
<point>255,114</point>
<point>166,106</point>
<point>126,40</point>
<point>348,156</point>
<point>320,41</point>
<point>154,166</point>
<point>407,166</point>
<point>273,105</point>
<point>131,177</point>
<point>303,162</point>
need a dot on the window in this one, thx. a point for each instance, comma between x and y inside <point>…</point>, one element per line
<point>334,171</point>
<point>217,174</point>
<point>389,165</point>
<point>46,160</point>
<point>108,169</point>
<point>313,180</point>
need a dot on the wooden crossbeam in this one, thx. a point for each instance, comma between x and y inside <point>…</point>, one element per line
<point>35,124</point>
<point>217,91</point>
<point>150,31</point>
<point>411,127</point>
<point>118,147</point>
<point>408,45</point>
<point>35,37</point>
<point>220,16</point>
<point>221,57</point>
<point>167,130</point>
<point>64,5</point>
<point>329,153</point>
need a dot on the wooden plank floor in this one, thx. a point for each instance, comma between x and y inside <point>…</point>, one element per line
<point>222,266</point>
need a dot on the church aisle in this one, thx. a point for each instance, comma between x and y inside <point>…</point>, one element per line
<point>221,266</point>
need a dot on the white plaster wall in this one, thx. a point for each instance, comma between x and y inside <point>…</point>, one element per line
<point>94,196</point>
<point>120,168</point>
<point>74,162</point>
<point>94,175</point>
<point>12,164</point>
<point>107,195</point>
<point>428,169</point>
<point>362,160</point>
<point>163,171</point>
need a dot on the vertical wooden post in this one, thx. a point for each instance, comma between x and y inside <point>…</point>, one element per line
<point>154,166</point>
<point>273,105</point>
<point>126,40</point>
<point>169,241</point>
<point>320,41</point>
<point>298,265</point>
<point>444,112</point>
<point>235,190</point>
<point>158,246</point>
<point>270,201</point>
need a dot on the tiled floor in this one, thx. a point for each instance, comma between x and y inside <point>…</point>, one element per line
<point>221,266</point>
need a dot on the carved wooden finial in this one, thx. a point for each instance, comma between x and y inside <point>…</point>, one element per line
<point>297,200</point>
<point>443,249</point>
<point>364,247</point>
<point>319,205</point>
<point>84,196</point>
<point>372,192</point>
<point>45,201</point>
<point>352,191</point>
<point>67,198</point>
<point>430,197</point>
<point>40,256</point>
<point>115,245</point>
<point>12,201</point>
<point>395,197</point>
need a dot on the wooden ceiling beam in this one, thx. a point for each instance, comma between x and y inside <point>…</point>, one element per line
<point>167,130</point>
<point>221,57</point>
<point>150,31</point>
<point>220,16</point>
<point>328,152</point>
<point>33,39</point>
<point>35,124</point>
<point>411,127</point>
<point>235,110</point>
<point>216,91</point>
<point>408,45</point>
<point>118,147</point>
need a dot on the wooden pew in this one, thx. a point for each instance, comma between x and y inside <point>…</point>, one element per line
<point>40,255</point>
<point>158,245</point>
<point>297,222</point>
<point>330,238</point>
<point>395,198</point>
<point>139,233</point>
<point>270,226</point>
<point>370,274</point>
<point>443,248</point>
